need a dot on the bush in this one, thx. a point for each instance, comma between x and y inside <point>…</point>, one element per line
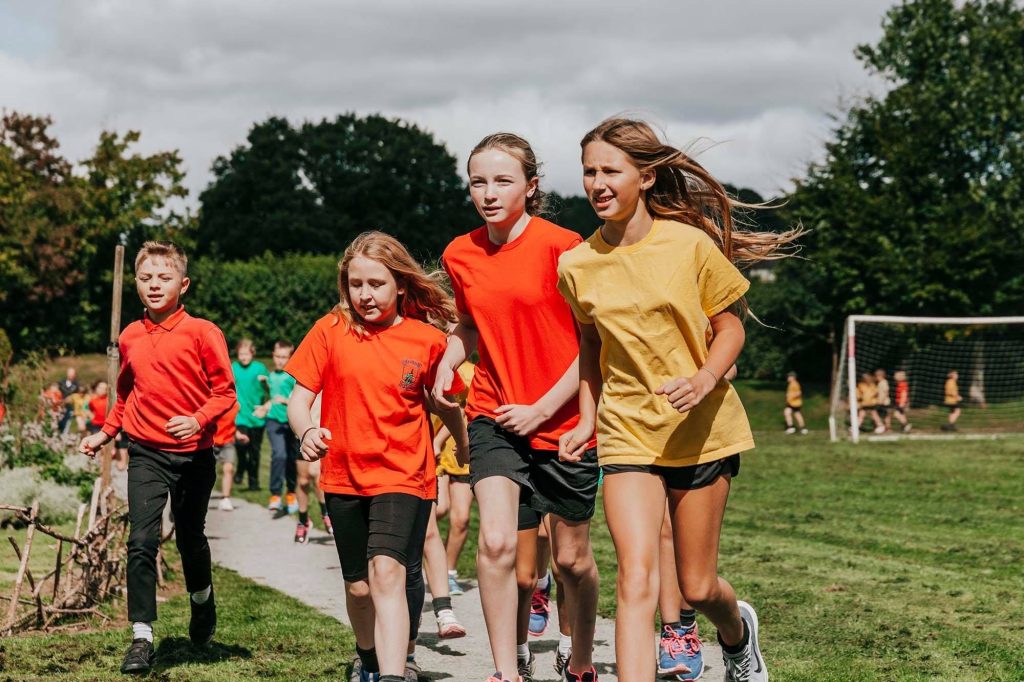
<point>37,446</point>
<point>266,298</point>
<point>24,485</point>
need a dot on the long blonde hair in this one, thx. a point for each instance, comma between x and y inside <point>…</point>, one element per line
<point>684,191</point>
<point>424,299</point>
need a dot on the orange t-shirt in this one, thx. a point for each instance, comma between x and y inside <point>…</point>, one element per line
<point>528,336</point>
<point>98,407</point>
<point>225,432</point>
<point>373,404</point>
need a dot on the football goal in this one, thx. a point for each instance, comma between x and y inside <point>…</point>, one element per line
<point>929,377</point>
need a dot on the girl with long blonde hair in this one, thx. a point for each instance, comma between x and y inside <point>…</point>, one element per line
<point>659,301</point>
<point>373,358</point>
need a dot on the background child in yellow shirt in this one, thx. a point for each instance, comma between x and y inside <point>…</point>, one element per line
<point>794,404</point>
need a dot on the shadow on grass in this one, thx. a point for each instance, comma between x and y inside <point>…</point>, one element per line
<point>175,651</point>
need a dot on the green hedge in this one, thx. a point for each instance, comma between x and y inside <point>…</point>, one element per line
<point>266,298</point>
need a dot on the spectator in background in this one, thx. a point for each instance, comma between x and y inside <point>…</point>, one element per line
<point>794,404</point>
<point>952,400</point>
<point>67,387</point>
<point>884,400</point>
<point>867,402</point>
<point>902,400</point>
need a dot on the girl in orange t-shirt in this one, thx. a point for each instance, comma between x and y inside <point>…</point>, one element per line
<point>504,276</point>
<point>373,359</point>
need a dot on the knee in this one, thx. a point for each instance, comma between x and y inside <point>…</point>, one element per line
<point>637,583</point>
<point>358,593</point>
<point>526,579</point>
<point>458,520</point>
<point>433,533</point>
<point>574,561</point>
<point>701,593</point>
<point>387,574</point>
<point>303,480</point>
<point>145,542</point>
<point>497,547</point>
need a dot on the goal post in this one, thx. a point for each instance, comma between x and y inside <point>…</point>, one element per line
<point>915,377</point>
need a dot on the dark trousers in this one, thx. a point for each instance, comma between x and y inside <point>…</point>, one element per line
<point>249,455</point>
<point>284,452</point>
<point>188,478</point>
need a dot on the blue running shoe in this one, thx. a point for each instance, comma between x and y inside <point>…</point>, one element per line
<point>540,610</point>
<point>454,588</point>
<point>679,654</point>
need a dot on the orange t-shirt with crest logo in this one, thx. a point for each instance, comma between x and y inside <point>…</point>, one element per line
<point>373,404</point>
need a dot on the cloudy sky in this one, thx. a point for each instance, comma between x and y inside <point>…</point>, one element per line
<point>750,82</point>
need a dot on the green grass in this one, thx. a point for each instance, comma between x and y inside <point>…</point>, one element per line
<point>261,634</point>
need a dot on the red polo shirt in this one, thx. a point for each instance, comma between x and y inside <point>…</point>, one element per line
<point>177,368</point>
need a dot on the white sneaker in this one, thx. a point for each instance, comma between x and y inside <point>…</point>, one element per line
<point>747,665</point>
<point>225,504</point>
<point>879,429</point>
<point>803,432</point>
<point>791,429</point>
<point>448,626</point>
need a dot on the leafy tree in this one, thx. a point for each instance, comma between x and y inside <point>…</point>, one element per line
<point>315,187</point>
<point>916,208</point>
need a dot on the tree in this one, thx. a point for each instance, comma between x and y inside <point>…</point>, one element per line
<point>916,208</point>
<point>58,228</point>
<point>314,188</point>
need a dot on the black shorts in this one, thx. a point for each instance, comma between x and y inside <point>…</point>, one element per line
<point>459,478</point>
<point>683,478</point>
<point>900,410</point>
<point>955,406</point>
<point>883,411</point>
<point>547,485</point>
<point>794,409</point>
<point>391,524</point>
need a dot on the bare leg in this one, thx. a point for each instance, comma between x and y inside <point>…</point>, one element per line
<point>526,580</point>
<point>227,478</point>
<point>634,504</point>
<point>498,498</point>
<point>788,414</point>
<point>435,561</point>
<point>360,612</point>
<point>800,419</point>
<point>391,627</point>
<point>570,544</point>
<point>458,521</point>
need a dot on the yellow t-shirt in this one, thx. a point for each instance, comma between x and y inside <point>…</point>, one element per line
<point>952,392</point>
<point>447,462</point>
<point>794,396</point>
<point>651,303</point>
<point>867,395</point>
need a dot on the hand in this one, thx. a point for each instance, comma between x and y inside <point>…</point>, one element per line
<point>313,445</point>
<point>91,445</point>
<point>181,427</point>
<point>573,443</point>
<point>442,385</point>
<point>261,411</point>
<point>280,400</point>
<point>439,446</point>
<point>685,393</point>
<point>521,420</point>
<point>241,438</point>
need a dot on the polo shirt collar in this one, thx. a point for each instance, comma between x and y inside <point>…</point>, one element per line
<point>167,325</point>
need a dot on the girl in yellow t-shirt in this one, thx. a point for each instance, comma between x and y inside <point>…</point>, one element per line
<point>654,291</point>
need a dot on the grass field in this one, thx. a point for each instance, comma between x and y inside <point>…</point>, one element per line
<point>882,561</point>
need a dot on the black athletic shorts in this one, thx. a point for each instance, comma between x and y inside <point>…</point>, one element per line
<point>547,485</point>
<point>883,411</point>
<point>459,478</point>
<point>794,409</point>
<point>683,478</point>
<point>391,524</point>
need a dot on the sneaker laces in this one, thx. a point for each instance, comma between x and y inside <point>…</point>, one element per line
<point>737,666</point>
<point>675,642</point>
<point>539,603</point>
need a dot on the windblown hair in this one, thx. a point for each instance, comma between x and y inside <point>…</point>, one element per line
<point>424,299</point>
<point>520,150</point>
<point>169,250</point>
<point>684,191</point>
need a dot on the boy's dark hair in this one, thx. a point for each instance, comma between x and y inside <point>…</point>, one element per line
<point>791,375</point>
<point>282,344</point>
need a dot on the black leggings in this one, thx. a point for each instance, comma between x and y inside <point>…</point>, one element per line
<point>391,524</point>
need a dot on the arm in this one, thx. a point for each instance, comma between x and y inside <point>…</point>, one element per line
<point>523,420</point>
<point>572,444</point>
<point>461,344</point>
<point>686,393</point>
<point>217,366</point>
<point>440,438</point>
<point>312,437</point>
<point>455,424</point>
<point>91,445</point>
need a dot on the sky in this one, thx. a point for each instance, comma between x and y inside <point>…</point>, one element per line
<point>748,86</point>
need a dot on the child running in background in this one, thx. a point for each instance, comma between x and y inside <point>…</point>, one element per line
<point>884,400</point>
<point>284,448</point>
<point>175,382</point>
<point>373,358</point>
<point>80,408</point>
<point>867,402</point>
<point>655,290</point>
<point>308,476</point>
<point>454,493</point>
<point>794,405</point>
<point>504,278</point>
<point>250,382</point>
<point>902,407</point>
<point>225,454</point>
<point>952,400</point>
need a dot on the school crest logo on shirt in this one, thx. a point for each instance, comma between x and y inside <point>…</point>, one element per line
<point>410,374</point>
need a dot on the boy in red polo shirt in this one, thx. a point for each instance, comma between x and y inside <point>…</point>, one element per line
<point>175,382</point>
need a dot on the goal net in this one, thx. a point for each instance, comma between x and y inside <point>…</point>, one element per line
<point>929,377</point>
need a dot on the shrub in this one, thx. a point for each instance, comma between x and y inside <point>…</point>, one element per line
<point>24,485</point>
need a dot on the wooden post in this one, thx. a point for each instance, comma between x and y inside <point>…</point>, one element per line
<point>113,357</point>
<point>22,569</point>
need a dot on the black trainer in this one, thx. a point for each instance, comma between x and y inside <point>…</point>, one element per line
<point>204,621</point>
<point>139,658</point>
